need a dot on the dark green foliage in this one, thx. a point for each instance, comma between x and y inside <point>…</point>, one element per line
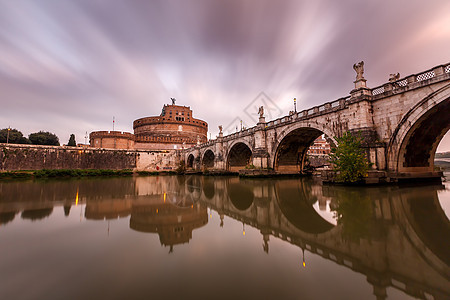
<point>15,175</point>
<point>349,159</point>
<point>44,138</point>
<point>15,137</point>
<point>154,173</point>
<point>181,168</point>
<point>72,141</point>
<point>147,173</point>
<point>80,173</point>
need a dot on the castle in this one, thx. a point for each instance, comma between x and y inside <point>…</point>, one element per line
<point>175,128</point>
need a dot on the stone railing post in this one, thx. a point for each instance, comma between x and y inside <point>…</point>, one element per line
<point>439,71</point>
<point>411,79</point>
<point>388,87</point>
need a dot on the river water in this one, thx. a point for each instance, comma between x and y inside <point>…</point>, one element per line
<point>193,237</point>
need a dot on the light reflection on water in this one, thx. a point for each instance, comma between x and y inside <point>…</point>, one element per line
<point>203,237</point>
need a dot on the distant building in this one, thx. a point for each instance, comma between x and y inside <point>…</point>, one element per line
<point>320,147</point>
<point>175,128</point>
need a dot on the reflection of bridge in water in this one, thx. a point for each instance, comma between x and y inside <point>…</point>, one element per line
<point>395,237</point>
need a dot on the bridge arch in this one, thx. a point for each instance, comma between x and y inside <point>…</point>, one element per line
<point>292,145</point>
<point>239,155</point>
<point>241,196</point>
<point>295,200</point>
<point>414,142</point>
<point>190,161</point>
<point>209,189</point>
<point>208,159</point>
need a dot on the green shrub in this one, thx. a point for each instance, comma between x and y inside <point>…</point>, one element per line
<point>349,159</point>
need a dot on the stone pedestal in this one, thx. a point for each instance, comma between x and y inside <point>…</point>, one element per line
<point>360,89</point>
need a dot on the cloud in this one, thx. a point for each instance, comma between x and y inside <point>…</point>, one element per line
<point>69,66</point>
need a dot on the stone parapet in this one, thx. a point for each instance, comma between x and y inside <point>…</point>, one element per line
<point>115,134</point>
<point>36,157</point>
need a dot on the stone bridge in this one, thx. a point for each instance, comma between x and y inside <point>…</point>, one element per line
<point>401,122</point>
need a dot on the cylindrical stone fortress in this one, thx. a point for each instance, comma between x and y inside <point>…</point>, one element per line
<point>111,139</point>
<point>175,128</point>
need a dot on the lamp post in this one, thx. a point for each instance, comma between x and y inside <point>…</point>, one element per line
<point>295,104</point>
<point>303,263</point>
<point>7,135</point>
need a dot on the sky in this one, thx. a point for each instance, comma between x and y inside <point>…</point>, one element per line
<point>71,66</point>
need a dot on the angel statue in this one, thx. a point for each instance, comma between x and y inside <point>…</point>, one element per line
<point>359,68</point>
<point>261,111</point>
<point>220,128</point>
<point>394,77</point>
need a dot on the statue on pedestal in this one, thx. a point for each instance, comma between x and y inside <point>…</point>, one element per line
<point>394,77</point>
<point>359,68</point>
<point>261,111</point>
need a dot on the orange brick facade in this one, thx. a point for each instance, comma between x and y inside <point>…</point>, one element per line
<point>175,128</point>
<point>319,147</point>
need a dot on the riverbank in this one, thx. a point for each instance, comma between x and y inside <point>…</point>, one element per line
<point>326,177</point>
<point>64,173</point>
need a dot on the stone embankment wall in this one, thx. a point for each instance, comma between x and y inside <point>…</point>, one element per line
<point>318,161</point>
<point>32,157</point>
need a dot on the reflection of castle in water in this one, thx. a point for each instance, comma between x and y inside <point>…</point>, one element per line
<point>395,237</point>
<point>173,221</point>
<point>171,215</point>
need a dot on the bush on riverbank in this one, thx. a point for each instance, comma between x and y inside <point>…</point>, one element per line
<point>154,173</point>
<point>15,175</point>
<point>80,173</point>
<point>349,159</point>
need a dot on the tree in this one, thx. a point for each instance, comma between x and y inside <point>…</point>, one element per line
<point>72,140</point>
<point>15,137</point>
<point>349,159</point>
<point>44,138</point>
